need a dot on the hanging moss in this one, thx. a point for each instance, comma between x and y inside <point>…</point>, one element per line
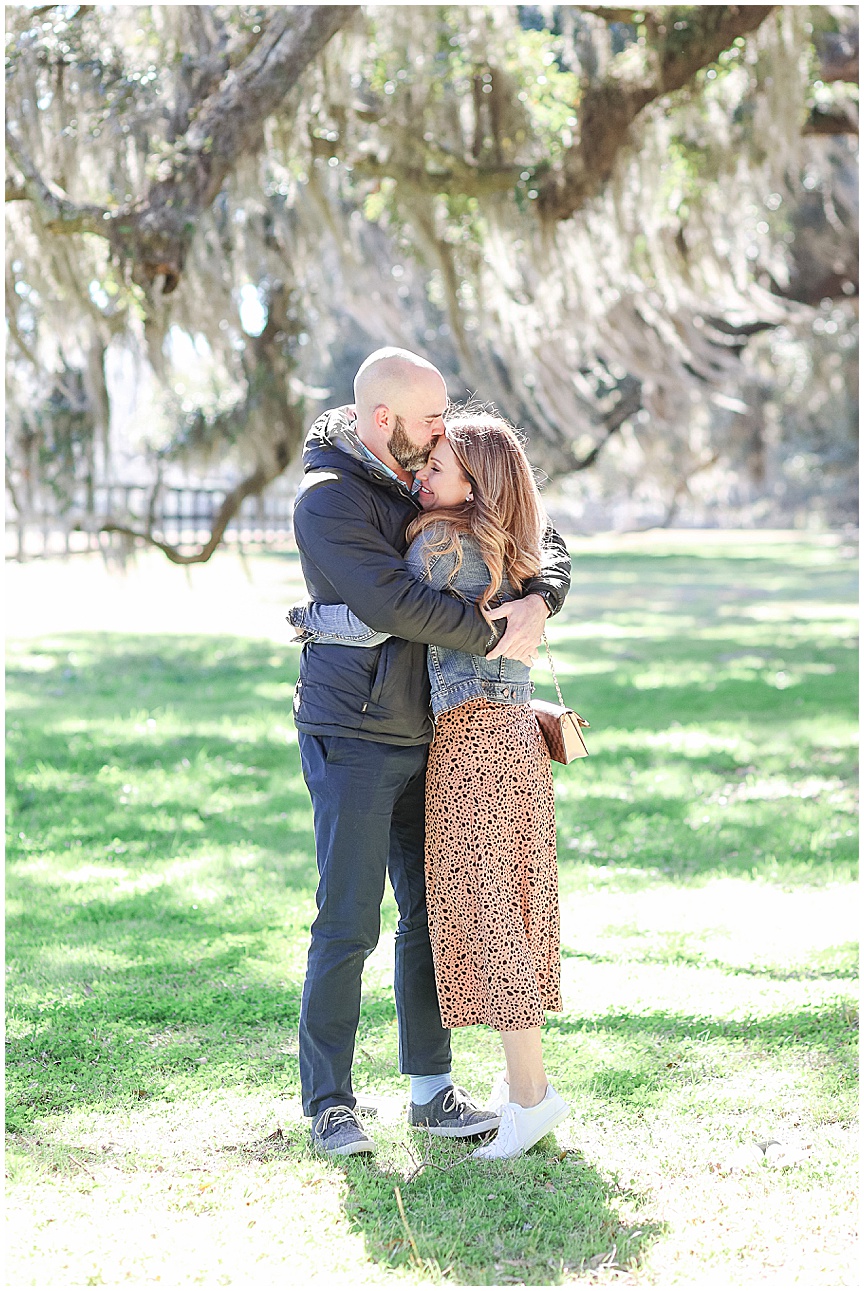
<point>409,190</point>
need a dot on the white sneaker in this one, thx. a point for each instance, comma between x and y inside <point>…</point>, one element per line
<point>522,1127</point>
<point>500,1094</point>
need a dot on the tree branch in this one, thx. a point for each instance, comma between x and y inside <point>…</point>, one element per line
<point>609,107</point>
<point>838,118</point>
<point>838,55</point>
<point>612,13</point>
<point>155,232</point>
<point>250,487</point>
<point>682,487</point>
<point>629,403</point>
<point>228,123</point>
<point>58,212</point>
<point>15,331</point>
<point>42,9</point>
<point>452,175</point>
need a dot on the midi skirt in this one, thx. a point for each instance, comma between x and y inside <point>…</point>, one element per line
<point>491,871</point>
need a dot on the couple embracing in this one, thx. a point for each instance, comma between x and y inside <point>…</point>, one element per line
<point>430,566</point>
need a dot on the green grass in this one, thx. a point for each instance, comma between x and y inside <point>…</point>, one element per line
<point>160,888</point>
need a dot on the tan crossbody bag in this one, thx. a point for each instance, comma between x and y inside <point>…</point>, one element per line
<point>560,726</point>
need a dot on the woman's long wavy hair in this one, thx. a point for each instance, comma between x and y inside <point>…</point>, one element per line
<point>505,516</point>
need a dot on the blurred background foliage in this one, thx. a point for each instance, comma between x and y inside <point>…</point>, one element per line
<point>634,230</point>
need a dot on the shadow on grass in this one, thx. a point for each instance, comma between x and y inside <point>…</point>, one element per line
<point>649,1057</point>
<point>533,1221</point>
<point>679,957</point>
<point>536,1221</point>
<point>178,1038</point>
<point>212,677</point>
<point>801,1026</point>
<point>142,773</point>
<point>201,784</point>
<point>132,1038</point>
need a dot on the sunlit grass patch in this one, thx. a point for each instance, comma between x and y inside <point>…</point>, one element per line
<point>161,886</point>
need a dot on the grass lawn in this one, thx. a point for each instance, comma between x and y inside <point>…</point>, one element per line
<point>160,887</point>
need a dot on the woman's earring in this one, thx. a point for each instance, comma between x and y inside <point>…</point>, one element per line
<point>470,497</point>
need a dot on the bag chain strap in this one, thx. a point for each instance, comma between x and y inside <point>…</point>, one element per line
<point>554,674</point>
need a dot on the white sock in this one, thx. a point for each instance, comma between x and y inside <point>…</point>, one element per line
<point>424,1088</point>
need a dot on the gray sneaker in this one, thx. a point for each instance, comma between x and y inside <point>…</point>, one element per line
<point>338,1133</point>
<point>452,1114</point>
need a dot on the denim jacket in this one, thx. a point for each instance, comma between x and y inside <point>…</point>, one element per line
<point>455,677</point>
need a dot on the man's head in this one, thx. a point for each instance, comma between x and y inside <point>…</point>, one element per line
<point>400,400</point>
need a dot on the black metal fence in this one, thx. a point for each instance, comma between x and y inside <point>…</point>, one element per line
<point>181,516</point>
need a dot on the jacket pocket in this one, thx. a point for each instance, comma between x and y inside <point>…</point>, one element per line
<point>510,671</point>
<point>379,676</point>
<point>336,682</point>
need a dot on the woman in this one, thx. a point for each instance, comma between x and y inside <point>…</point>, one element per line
<point>491,875</point>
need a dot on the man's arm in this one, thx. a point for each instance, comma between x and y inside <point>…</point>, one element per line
<point>544,595</point>
<point>337,535</point>
<point>553,581</point>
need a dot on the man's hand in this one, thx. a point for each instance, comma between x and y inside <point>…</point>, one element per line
<point>526,620</point>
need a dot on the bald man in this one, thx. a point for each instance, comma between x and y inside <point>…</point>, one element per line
<point>391,379</point>
<point>364,731</point>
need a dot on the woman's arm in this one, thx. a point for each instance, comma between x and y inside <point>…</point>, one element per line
<point>332,625</point>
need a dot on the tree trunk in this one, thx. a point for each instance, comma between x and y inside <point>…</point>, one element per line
<point>610,106</point>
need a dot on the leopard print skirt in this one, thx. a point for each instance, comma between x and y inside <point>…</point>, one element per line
<point>491,873</point>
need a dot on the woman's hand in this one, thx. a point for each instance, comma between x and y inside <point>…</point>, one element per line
<point>526,621</point>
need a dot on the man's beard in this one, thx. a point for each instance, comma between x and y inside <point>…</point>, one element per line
<point>409,455</point>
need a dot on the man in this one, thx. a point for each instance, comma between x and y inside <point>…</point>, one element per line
<point>364,731</point>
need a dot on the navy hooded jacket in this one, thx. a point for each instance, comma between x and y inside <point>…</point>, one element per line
<point>350,519</point>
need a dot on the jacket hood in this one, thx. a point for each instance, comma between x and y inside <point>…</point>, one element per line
<point>334,430</point>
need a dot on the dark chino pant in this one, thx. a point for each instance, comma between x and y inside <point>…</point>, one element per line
<point>369,816</point>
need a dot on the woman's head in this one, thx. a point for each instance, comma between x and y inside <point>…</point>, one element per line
<point>443,482</point>
<point>479,481</point>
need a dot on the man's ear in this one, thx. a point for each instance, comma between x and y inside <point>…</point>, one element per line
<point>381,417</point>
